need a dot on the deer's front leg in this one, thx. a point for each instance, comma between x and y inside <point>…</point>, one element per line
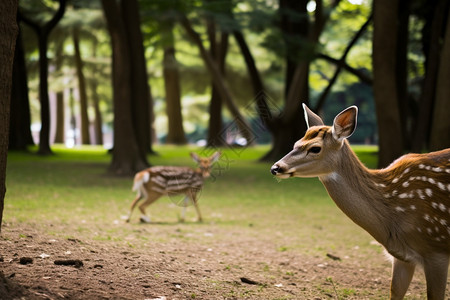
<point>436,269</point>
<point>194,199</point>
<point>402,273</point>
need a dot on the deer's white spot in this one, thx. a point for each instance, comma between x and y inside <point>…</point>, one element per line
<point>429,192</point>
<point>430,231</point>
<point>443,222</point>
<point>428,168</point>
<point>403,195</point>
<point>405,184</point>
<point>395,180</point>
<point>413,207</point>
<point>427,218</point>
<point>437,169</point>
<point>441,186</point>
<point>421,166</point>
<point>419,229</point>
<point>420,194</point>
<point>442,207</point>
<point>434,205</point>
<point>448,187</point>
<point>400,209</point>
<point>438,239</point>
<point>387,195</point>
<point>431,180</point>
<point>424,178</point>
<point>394,193</point>
<point>447,170</point>
<point>406,171</point>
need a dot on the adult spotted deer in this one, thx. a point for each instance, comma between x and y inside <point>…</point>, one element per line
<point>157,181</point>
<point>405,207</point>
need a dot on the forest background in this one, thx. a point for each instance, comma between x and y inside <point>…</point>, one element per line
<point>227,73</point>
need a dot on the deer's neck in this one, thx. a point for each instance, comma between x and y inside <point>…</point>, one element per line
<point>355,191</point>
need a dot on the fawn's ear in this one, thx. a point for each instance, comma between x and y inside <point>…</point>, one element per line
<point>311,118</point>
<point>345,123</point>
<point>215,157</point>
<point>195,157</point>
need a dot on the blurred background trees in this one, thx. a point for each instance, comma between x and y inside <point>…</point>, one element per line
<point>128,74</point>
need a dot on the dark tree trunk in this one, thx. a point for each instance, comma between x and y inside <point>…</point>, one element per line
<point>85,136</point>
<point>96,102</point>
<point>440,133</point>
<point>60,126</point>
<point>20,118</point>
<point>175,134</point>
<point>385,80</point>
<point>427,97</point>
<point>126,155</point>
<point>218,52</point>
<point>140,89</point>
<point>43,32</point>
<point>8,32</point>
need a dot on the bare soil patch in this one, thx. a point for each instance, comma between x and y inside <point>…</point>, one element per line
<point>220,263</point>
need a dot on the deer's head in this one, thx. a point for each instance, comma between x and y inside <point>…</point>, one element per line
<point>316,153</point>
<point>205,163</point>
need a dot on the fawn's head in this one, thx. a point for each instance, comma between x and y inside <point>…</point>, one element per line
<point>315,154</point>
<point>205,163</point>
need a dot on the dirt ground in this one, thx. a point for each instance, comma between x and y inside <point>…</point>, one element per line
<point>238,265</point>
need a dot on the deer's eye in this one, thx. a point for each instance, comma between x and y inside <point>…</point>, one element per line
<point>315,150</point>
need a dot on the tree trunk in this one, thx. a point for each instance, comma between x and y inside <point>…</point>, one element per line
<point>8,32</point>
<point>60,125</point>
<point>385,81</point>
<point>141,97</point>
<point>43,33</point>
<point>20,118</point>
<point>175,134</point>
<point>218,52</point>
<point>98,123</point>
<point>427,97</point>
<point>126,155</point>
<point>85,136</point>
<point>440,133</point>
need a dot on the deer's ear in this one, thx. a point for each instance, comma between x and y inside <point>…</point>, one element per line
<point>195,157</point>
<point>215,157</point>
<point>345,123</point>
<point>311,118</point>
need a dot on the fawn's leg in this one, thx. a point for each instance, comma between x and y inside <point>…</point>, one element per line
<point>436,268</point>
<point>139,196</point>
<point>151,197</point>
<point>183,211</point>
<point>402,273</point>
<point>194,200</point>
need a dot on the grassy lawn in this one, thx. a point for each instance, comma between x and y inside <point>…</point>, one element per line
<point>73,189</point>
<point>71,196</point>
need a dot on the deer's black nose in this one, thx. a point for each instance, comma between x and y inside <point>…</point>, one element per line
<point>275,170</point>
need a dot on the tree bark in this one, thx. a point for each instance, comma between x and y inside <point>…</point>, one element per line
<point>218,52</point>
<point>20,118</point>
<point>43,32</point>
<point>427,97</point>
<point>98,123</point>
<point>142,102</point>
<point>60,116</point>
<point>85,136</point>
<point>175,134</point>
<point>8,32</point>
<point>440,133</point>
<point>385,81</point>
<point>126,155</point>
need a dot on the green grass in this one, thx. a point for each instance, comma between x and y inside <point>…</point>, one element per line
<point>72,190</point>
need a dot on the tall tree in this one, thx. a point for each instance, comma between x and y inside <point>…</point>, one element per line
<point>8,32</point>
<point>85,136</point>
<point>172,86</point>
<point>43,31</point>
<point>127,157</point>
<point>60,116</point>
<point>142,109</point>
<point>20,119</point>
<point>440,133</point>
<point>385,80</point>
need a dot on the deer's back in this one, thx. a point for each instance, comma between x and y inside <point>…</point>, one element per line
<point>174,180</point>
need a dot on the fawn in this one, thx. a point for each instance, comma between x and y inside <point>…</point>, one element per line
<point>405,207</point>
<point>157,181</point>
